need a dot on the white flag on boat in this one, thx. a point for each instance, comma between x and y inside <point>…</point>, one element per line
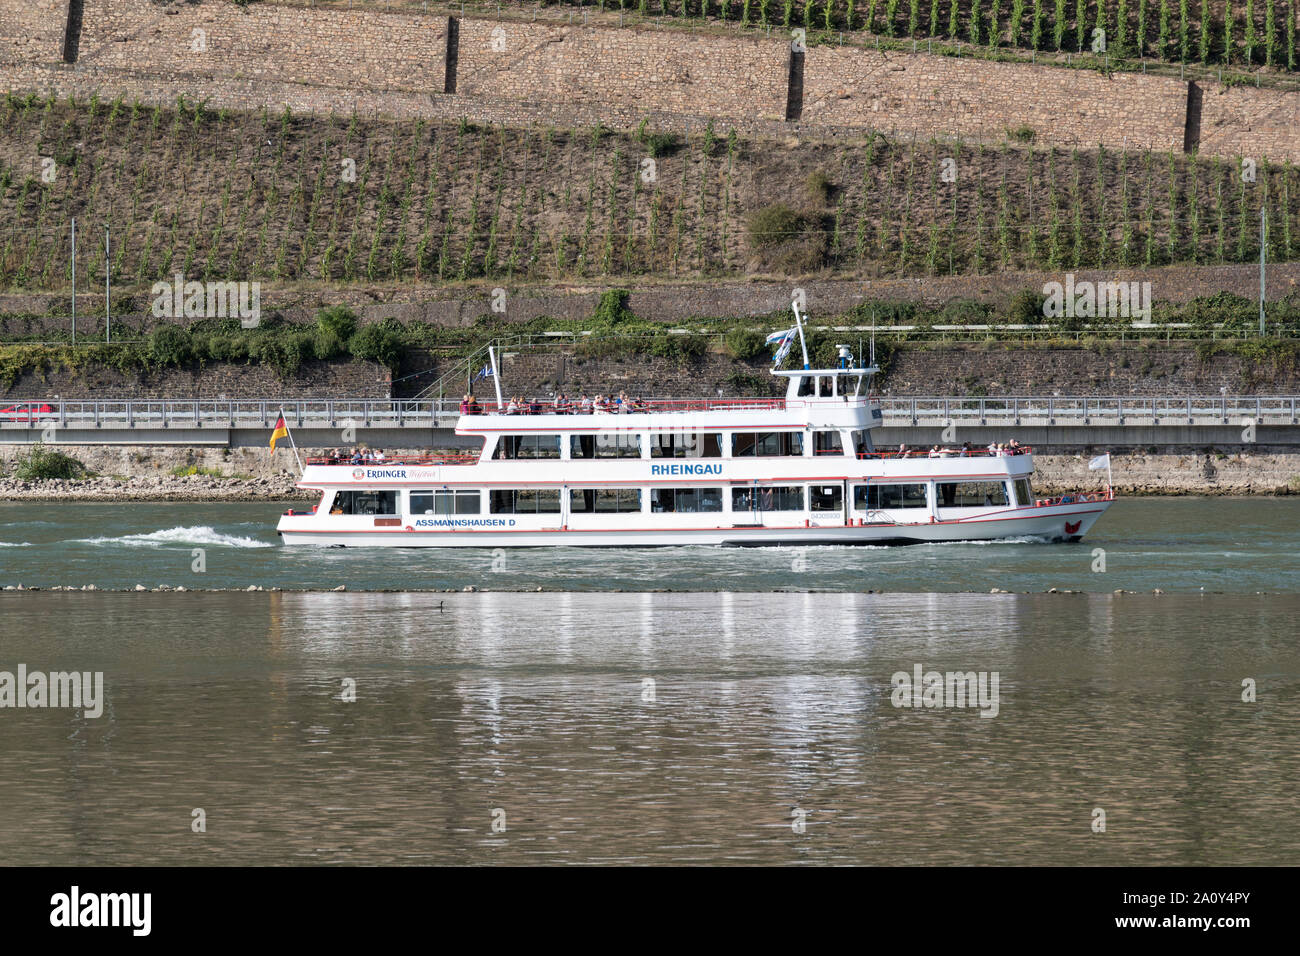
<point>786,344</point>
<point>1101,461</point>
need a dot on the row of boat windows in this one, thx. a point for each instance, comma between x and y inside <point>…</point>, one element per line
<point>665,445</point>
<point>869,497</point>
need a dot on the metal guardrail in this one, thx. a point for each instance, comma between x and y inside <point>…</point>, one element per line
<point>435,413</point>
<point>1115,410</point>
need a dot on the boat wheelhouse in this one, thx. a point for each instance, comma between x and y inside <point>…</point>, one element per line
<point>796,470</point>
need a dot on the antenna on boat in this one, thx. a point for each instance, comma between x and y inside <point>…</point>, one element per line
<point>496,375</point>
<point>794,307</point>
<point>872,364</point>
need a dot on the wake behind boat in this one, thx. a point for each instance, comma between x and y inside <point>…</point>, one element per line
<point>798,470</point>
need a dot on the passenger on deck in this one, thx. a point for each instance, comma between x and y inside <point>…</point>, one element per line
<point>902,451</point>
<point>561,404</point>
<point>357,458</point>
<point>379,454</point>
<point>513,407</point>
<point>534,407</point>
<point>584,404</point>
<point>464,405</point>
<point>934,451</point>
<point>966,449</point>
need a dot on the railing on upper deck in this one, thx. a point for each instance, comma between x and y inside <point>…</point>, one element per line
<point>453,458</point>
<point>949,453</point>
<point>634,406</point>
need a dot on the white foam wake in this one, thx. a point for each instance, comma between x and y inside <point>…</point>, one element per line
<point>202,534</point>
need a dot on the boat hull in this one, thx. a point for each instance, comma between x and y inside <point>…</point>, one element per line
<point>1055,523</point>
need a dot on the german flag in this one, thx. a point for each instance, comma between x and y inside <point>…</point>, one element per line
<point>281,431</point>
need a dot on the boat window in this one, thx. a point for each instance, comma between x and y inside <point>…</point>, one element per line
<point>824,385</point>
<point>1024,493</point>
<point>806,385</point>
<point>861,442</point>
<point>827,497</point>
<point>365,503</point>
<point>686,445</point>
<point>514,501</point>
<point>786,444</point>
<point>605,445</point>
<point>686,499</point>
<point>827,443</point>
<point>607,500</point>
<point>970,494</point>
<point>445,502</point>
<point>768,498</point>
<point>528,446</point>
<point>888,497</point>
<point>848,384</point>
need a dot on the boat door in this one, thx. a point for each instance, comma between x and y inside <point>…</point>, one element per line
<point>827,503</point>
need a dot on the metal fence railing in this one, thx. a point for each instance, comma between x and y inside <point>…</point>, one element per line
<point>442,413</point>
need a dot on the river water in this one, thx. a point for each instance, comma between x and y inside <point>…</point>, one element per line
<point>1239,545</point>
<point>581,726</point>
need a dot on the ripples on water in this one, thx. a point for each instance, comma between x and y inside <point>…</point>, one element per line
<point>763,703</point>
<point>1182,544</point>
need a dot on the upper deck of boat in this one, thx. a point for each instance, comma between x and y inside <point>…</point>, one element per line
<point>471,458</point>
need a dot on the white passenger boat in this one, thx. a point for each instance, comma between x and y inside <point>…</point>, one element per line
<point>798,470</point>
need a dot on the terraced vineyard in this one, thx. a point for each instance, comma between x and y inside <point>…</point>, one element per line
<point>281,197</point>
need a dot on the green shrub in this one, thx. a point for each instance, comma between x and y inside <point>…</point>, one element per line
<point>326,344</point>
<point>170,345</point>
<point>775,224</point>
<point>745,344</point>
<point>612,308</point>
<point>1025,308</point>
<point>338,320</point>
<point>792,242</point>
<point>284,353</point>
<point>964,312</point>
<point>375,343</point>
<point>818,187</point>
<point>40,463</point>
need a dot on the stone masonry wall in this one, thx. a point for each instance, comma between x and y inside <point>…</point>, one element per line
<point>31,31</point>
<point>518,73</point>
<point>217,380</point>
<point>645,69</point>
<point>344,49</point>
<point>1244,121</point>
<point>916,93</point>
